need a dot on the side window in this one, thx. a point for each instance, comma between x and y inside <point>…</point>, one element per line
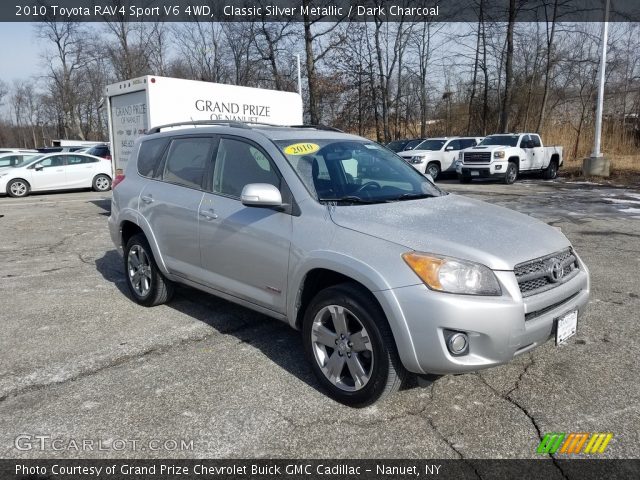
<point>55,161</point>
<point>73,160</point>
<point>187,161</point>
<point>8,161</point>
<point>239,163</point>
<point>524,140</point>
<point>535,141</point>
<point>453,145</point>
<point>150,155</point>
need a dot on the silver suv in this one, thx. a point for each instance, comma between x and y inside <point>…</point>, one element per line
<point>382,271</point>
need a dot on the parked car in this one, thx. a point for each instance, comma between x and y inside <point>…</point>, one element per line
<point>14,159</point>
<point>16,150</point>
<point>103,151</point>
<point>56,171</point>
<point>340,238</point>
<point>436,155</point>
<point>406,144</point>
<point>506,156</point>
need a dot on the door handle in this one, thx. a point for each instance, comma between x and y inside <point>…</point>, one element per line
<point>208,214</point>
<point>60,170</point>
<point>147,199</point>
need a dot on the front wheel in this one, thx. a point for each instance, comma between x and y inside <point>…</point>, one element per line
<point>18,188</point>
<point>350,346</point>
<point>511,174</point>
<point>145,281</point>
<point>433,169</point>
<point>101,183</point>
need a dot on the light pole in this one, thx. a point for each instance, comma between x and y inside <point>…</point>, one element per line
<point>299,75</point>
<point>597,164</point>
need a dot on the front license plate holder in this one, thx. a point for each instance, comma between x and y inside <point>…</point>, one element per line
<point>566,326</point>
<point>475,173</point>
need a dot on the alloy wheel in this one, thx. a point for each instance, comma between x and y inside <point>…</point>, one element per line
<point>102,183</point>
<point>342,348</point>
<point>18,189</point>
<point>139,270</point>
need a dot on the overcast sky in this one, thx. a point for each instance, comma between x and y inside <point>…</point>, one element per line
<point>19,51</point>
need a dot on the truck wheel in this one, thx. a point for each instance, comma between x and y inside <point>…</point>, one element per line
<point>511,174</point>
<point>433,169</point>
<point>18,188</point>
<point>145,281</point>
<point>350,346</point>
<point>551,171</point>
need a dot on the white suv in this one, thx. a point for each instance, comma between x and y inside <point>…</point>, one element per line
<point>437,155</point>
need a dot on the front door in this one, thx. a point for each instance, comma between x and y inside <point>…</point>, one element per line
<point>244,250</point>
<point>48,174</point>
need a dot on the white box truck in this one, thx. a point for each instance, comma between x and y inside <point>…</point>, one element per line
<point>136,105</point>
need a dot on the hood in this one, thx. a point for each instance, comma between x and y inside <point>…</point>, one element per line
<point>486,148</point>
<point>456,226</point>
<point>411,153</point>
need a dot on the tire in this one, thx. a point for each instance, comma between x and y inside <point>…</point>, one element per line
<point>511,175</point>
<point>152,288</point>
<point>373,352</point>
<point>551,171</point>
<point>18,188</point>
<point>101,183</point>
<point>433,169</point>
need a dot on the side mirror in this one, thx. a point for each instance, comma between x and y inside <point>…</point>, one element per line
<point>261,195</point>
<point>526,144</point>
<point>448,148</point>
<point>38,168</point>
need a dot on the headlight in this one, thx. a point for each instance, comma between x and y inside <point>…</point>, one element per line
<point>460,156</point>
<point>498,154</point>
<point>451,275</point>
<point>417,158</point>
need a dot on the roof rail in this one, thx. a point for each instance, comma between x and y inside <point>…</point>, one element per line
<point>318,127</point>
<point>231,123</point>
<point>236,124</point>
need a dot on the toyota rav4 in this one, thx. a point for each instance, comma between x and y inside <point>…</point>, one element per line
<point>384,273</point>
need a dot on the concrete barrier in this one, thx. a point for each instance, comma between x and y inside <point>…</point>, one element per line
<point>596,167</point>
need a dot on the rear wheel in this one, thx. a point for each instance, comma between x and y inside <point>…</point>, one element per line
<point>511,174</point>
<point>350,346</point>
<point>102,183</point>
<point>18,188</point>
<point>551,171</point>
<point>145,281</point>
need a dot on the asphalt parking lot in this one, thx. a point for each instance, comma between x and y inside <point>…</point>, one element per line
<point>80,360</point>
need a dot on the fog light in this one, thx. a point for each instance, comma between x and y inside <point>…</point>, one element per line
<point>457,343</point>
<point>498,167</point>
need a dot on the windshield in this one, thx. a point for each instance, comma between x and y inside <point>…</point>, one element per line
<point>355,171</point>
<point>505,140</point>
<point>432,144</point>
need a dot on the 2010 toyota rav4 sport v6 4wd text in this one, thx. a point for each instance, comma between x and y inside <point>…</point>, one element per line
<point>383,272</point>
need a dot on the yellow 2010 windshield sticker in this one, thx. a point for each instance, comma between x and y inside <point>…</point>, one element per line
<point>301,148</point>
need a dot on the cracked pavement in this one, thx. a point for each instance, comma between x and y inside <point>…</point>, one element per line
<point>80,360</point>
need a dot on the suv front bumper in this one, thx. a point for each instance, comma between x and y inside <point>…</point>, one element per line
<point>498,328</point>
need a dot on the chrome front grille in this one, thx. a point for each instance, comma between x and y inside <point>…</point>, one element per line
<point>477,157</point>
<point>545,273</point>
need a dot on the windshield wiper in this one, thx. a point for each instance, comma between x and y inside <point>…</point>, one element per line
<point>346,199</point>
<point>410,196</point>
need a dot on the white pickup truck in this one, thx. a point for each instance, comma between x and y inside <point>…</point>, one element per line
<point>506,156</point>
<point>436,155</point>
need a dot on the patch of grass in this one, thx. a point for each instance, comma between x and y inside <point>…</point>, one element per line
<point>625,170</point>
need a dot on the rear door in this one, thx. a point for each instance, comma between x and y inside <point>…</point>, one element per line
<point>170,201</point>
<point>80,170</point>
<point>245,250</point>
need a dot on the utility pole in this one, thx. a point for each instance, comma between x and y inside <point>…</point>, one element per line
<point>597,164</point>
<point>299,75</point>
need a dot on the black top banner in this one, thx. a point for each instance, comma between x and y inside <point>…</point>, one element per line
<point>318,10</point>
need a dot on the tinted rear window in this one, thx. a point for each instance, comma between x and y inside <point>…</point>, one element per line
<point>150,155</point>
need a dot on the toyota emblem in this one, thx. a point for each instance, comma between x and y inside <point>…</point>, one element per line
<point>555,270</point>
